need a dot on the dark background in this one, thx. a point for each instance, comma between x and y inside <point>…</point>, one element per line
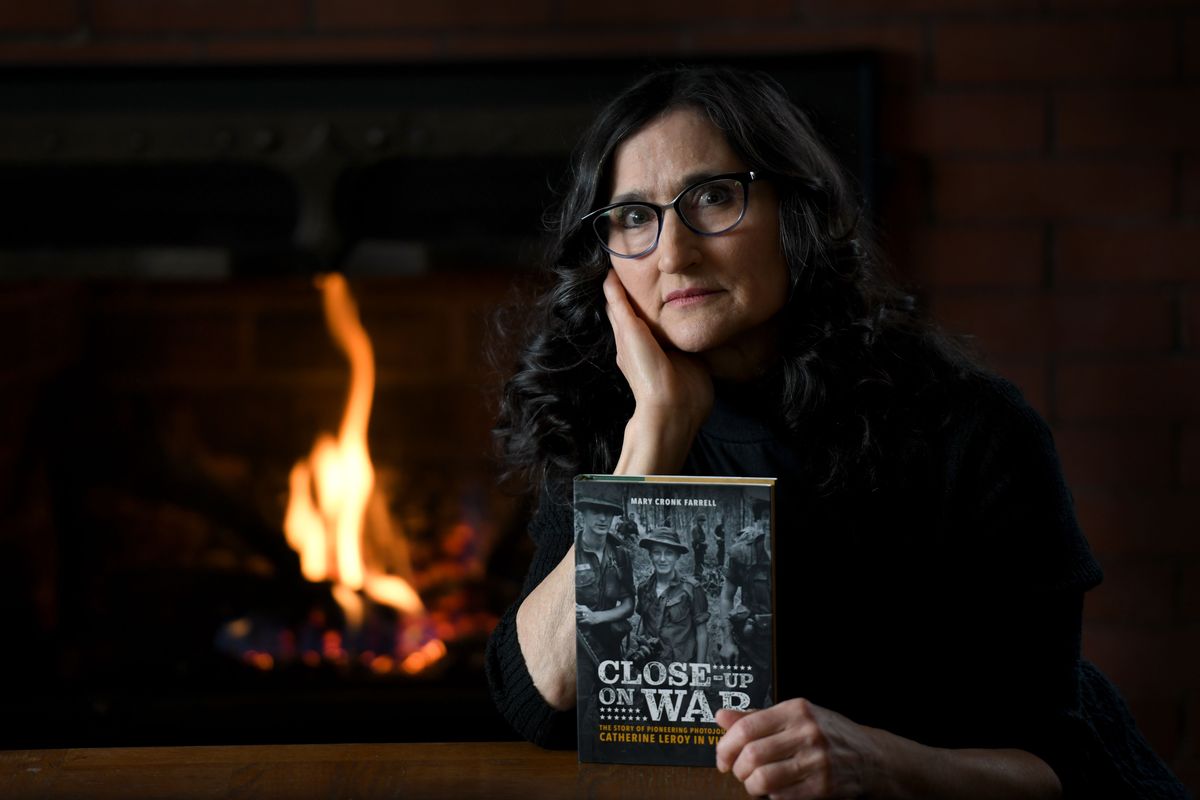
<point>1038,178</point>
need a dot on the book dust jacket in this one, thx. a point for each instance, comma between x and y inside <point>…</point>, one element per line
<point>674,598</point>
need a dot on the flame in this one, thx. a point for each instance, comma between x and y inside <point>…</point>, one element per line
<point>332,490</point>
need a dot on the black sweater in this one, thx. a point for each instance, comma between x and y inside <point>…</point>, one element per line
<point>940,600</point>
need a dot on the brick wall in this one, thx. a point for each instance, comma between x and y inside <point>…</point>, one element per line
<point>1042,166</point>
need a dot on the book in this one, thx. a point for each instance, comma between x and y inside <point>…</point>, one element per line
<point>674,599</point>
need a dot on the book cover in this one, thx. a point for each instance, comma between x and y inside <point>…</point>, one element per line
<point>674,597</point>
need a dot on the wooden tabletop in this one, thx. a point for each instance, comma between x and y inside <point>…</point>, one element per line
<point>456,771</point>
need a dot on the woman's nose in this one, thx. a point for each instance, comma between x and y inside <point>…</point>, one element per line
<point>677,248</point>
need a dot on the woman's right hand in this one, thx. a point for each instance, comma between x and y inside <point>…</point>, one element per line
<point>672,391</point>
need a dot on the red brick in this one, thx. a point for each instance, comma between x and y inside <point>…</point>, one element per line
<point>16,336</point>
<point>1114,5</point>
<point>959,122</point>
<point>1135,591</point>
<point>451,14</point>
<point>1133,457</point>
<point>569,44</point>
<point>618,13</point>
<point>1040,189</point>
<point>1189,458</point>
<point>1030,376</point>
<point>1023,324</point>
<point>197,16</point>
<point>1190,186</point>
<point>1151,523</point>
<point>1189,592</point>
<point>46,16</point>
<point>1001,324</point>
<point>417,344</point>
<point>1187,768</point>
<point>1190,334</point>
<point>1141,119</point>
<point>40,328</point>
<point>903,199</point>
<point>1150,389</point>
<point>266,418</point>
<point>903,7</point>
<point>901,45</point>
<point>295,341</point>
<point>323,49</point>
<point>1193,727</point>
<point>1141,254</point>
<point>1113,323</point>
<point>1191,47</point>
<point>1159,714</point>
<point>1145,662</point>
<point>77,51</point>
<point>8,470</point>
<point>977,256</point>
<point>18,403</point>
<point>1082,50</point>
<point>426,421</point>
<point>161,343</point>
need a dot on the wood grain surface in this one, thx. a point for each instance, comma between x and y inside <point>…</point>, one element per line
<point>358,771</point>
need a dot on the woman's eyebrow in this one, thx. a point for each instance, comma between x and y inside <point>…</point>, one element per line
<point>691,178</point>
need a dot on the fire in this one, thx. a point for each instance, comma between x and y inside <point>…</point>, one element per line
<point>333,492</point>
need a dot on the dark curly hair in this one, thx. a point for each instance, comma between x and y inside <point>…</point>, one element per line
<point>843,327</point>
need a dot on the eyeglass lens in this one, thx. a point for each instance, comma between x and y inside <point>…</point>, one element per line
<point>632,229</point>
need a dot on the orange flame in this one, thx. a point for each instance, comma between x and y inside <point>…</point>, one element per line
<point>331,489</point>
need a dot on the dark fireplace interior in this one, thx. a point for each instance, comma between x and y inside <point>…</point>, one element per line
<point>166,363</point>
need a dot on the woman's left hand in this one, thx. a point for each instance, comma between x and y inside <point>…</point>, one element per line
<point>672,391</point>
<point>798,750</point>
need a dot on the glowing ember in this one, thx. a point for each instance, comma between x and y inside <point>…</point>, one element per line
<point>430,652</point>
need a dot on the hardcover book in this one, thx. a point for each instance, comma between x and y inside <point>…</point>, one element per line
<point>674,599</point>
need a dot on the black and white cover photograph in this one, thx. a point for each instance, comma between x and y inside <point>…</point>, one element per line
<point>673,613</point>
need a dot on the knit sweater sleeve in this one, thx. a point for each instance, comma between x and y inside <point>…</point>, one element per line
<point>512,688</point>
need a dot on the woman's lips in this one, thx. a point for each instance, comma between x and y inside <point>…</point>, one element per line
<point>688,297</point>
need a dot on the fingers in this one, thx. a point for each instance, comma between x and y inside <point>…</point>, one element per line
<point>621,315</point>
<point>796,717</point>
<point>782,751</point>
<point>806,776</point>
<point>726,717</point>
<point>744,728</point>
<point>614,290</point>
<point>639,356</point>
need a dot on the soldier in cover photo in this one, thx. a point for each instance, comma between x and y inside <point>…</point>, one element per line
<point>746,603</point>
<point>603,580</point>
<point>699,545</point>
<point>673,609</point>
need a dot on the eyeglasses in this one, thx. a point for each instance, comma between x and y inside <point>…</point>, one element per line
<point>713,206</point>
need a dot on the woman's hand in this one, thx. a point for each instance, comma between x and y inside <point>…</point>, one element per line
<point>798,750</point>
<point>672,391</point>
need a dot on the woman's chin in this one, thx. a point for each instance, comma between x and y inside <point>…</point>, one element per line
<point>690,340</point>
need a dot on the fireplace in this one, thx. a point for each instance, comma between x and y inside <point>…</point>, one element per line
<point>168,363</point>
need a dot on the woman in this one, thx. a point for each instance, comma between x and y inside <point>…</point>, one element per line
<point>716,308</point>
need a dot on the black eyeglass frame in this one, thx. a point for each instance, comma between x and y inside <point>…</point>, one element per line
<point>745,178</point>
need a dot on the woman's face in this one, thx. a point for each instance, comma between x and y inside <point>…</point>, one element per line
<point>701,294</point>
<point>663,558</point>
